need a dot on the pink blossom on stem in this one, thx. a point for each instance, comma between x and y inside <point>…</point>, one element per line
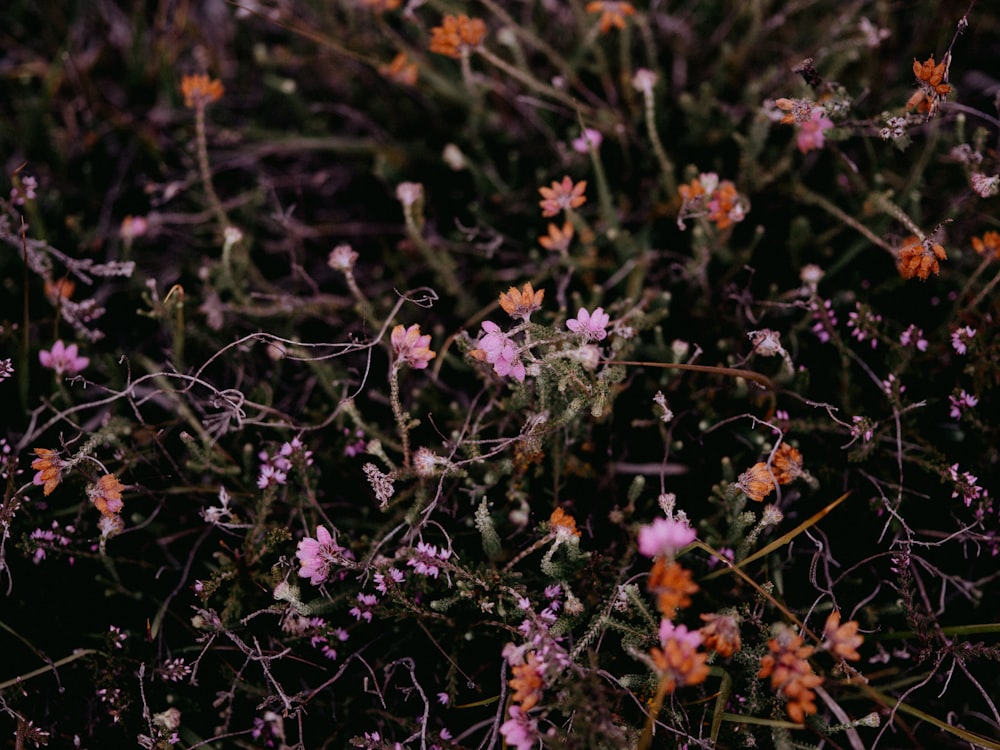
<point>665,536</point>
<point>411,347</point>
<point>520,731</point>
<point>591,325</point>
<point>810,136</point>
<point>501,352</point>
<point>63,359</point>
<point>317,556</point>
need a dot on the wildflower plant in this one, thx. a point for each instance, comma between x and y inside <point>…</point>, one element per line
<point>394,375</point>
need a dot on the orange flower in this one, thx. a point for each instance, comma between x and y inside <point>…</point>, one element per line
<point>520,304</point>
<point>63,288</point>
<point>457,35</point>
<point>380,6</point>
<point>721,633</point>
<point>931,79</point>
<point>842,640</point>
<point>679,663</point>
<point>527,682</point>
<point>49,467</point>
<point>612,13</point>
<point>562,522</point>
<point>724,208</point>
<point>106,495</point>
<point>672,585</point>
<point>707,195</point>
<point>756,482</point>
<point>920,258</point>
<point>786,464</point>
<point>989,242</point>
<point>562,196</point>
<point>791,675</point>
<point>401,70</point>
<point>200,90</point>
<point>557,239</point>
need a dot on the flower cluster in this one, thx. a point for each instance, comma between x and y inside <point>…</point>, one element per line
<point>759,480</point>
<point>613,14</point>
<point>49,468</point>
<point>411,347</point>
<point>521,303</point>
<point>427,558</point>
<point>320,555</point>
<point>457,35</point>
<point>920,258</point>
<point>498,348</point>
<point>199,90</point>
<point>791,675</point>
<point>677,660</point>
<point>707,196</point>
<point>933,87</point>
<point>274,468</point>
<point>988,244</point>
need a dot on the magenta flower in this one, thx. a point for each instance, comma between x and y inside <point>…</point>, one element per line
<point>810,136</point>
<point>63,359</point>
<point>501,352</point>
<point>317,556</point>
<point>411,347</point>
<point>591,325</point>
<point>665,536</point>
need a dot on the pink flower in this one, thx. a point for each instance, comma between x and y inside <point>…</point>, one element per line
<point>63,359</point>
<point>317,556</point>
<point>520,730</point>
<point>591,325</point>
<point>810,135</point>
<point>588,138</point>
<point>679,634</point>
<point>960,339</point>
<point>665,536</point>
<point>498,349</point>
<point>411,347</point>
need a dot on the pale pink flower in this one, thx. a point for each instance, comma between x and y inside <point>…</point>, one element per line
<point>588,138</point>
<point>501,352</point>
<point>411,347</point>
<point>317,556</point>
<point>665,536</point>
<point>591,325</point>
<point>679,634</point>
<point>520,731</point>
<point>810,135</point>
<point>63,359</point>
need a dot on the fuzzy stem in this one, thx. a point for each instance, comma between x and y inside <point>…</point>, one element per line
<point>398,413</point>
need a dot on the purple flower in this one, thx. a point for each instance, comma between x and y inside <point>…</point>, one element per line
<point>915,336</point>
<point>63,359</point>
<point>960,403</point>
<point>425,561</point>
<point>591,325</point>
<point>961,338</point>
<point>363,609</point>
<point>501,352</point>
<point>317,556</point>
<point>665,536</point>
